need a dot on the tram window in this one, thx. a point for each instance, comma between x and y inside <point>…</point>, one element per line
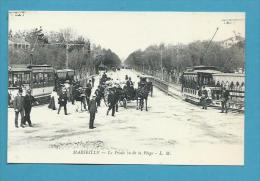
<point>26,78</point>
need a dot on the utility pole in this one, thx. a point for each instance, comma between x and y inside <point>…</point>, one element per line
<point>161,63</point>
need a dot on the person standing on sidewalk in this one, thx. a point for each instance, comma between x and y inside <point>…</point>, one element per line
<point>93,81</point>
<point>88,92</point>
<point>28,102</point>
<point>19,108</point>
<point>204,97</point>
<point>63,99</point>
<point>112,101</point>
<point>224,100</point>
<point>92,111</point>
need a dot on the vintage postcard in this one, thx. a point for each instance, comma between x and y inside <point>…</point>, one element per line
<point>126,87</point>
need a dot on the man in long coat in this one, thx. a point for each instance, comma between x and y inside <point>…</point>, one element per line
<point>224,99</point>
<point>112,101</point>
<point>63,99</point>
<point>92,111</point>
<point>19,108</point>
<point>28,102</point>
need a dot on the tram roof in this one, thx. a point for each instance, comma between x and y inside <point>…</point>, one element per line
<point>26,67</point>
<point>202,69</point>
<point>65,70</point>
<point>229,75</point>
<point>18,68</point>
<point>203,72</point>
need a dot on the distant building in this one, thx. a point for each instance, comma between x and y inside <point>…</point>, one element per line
<point>231,41</point>
<point>15,42</point>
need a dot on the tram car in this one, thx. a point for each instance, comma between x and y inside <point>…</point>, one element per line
<point>65,75</point>
<point>235,84</point>
<point>193,79</point>
<point>38,78</point>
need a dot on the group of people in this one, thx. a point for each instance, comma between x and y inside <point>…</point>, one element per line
<point>23,105</point>
<point>89,100</point>
<point>225,95</point>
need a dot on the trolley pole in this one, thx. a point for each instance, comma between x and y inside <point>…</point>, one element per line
<point>202,57</point>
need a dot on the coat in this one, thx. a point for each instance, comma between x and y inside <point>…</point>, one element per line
<point>88,91</point>
<point>63,99</point>
<point>92,106</point>
<point>112,98</point>
<point>225,95</point>
<point>19,103</point>
<point>28,102</point>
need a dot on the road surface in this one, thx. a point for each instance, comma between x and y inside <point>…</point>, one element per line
<point>170,132</point>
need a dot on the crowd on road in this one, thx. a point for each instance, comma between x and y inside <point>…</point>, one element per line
<point>88,98</point>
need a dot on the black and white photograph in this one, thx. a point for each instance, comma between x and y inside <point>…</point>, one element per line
<point>126,87</point>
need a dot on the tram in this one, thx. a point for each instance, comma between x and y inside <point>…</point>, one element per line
<point>65,75</point>
<point>39,78</point>
<point>193,79</point>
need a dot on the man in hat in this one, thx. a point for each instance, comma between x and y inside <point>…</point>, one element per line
<point>98,95</point>
<point>18,108</point>
<point>93,81</point>
<point>112,101</point>
<point>204,97</point>
<point>63,99</point>
<point>88,92</point>
<point>28,102</point>
<point>92,111</point>
<point>224,99</point>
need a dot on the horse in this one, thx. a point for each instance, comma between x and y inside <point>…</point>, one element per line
<point>80,97</point>
<point>142,94</point>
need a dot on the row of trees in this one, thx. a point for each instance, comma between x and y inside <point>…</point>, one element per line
<point>179,57</point>
<point>54,48</point>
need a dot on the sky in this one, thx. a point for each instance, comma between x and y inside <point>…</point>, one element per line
<point>125,32</point>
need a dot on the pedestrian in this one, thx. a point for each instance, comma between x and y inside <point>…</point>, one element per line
<point>118,95</point>
<point>98,96</point>
<point>93,81</point>
<point>19,108</point>
<point>224,99</point>
<point>28,103</point>
<point>112,101</point>
<point>82,96</point>
<point>73,93</point>
<point>204,97</point>
<point>150,84</point>
<point>92,111</point>
<point>53,100</point>
<point>88,92</point>
<point>63,99</point>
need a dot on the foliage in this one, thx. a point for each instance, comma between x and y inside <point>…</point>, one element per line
<point>179,57</point>
<point>50,48</point>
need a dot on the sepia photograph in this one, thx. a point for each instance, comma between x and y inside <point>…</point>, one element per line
<point>122,87</point>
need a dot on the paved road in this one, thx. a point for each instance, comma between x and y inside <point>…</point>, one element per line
<point>184,132</point>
